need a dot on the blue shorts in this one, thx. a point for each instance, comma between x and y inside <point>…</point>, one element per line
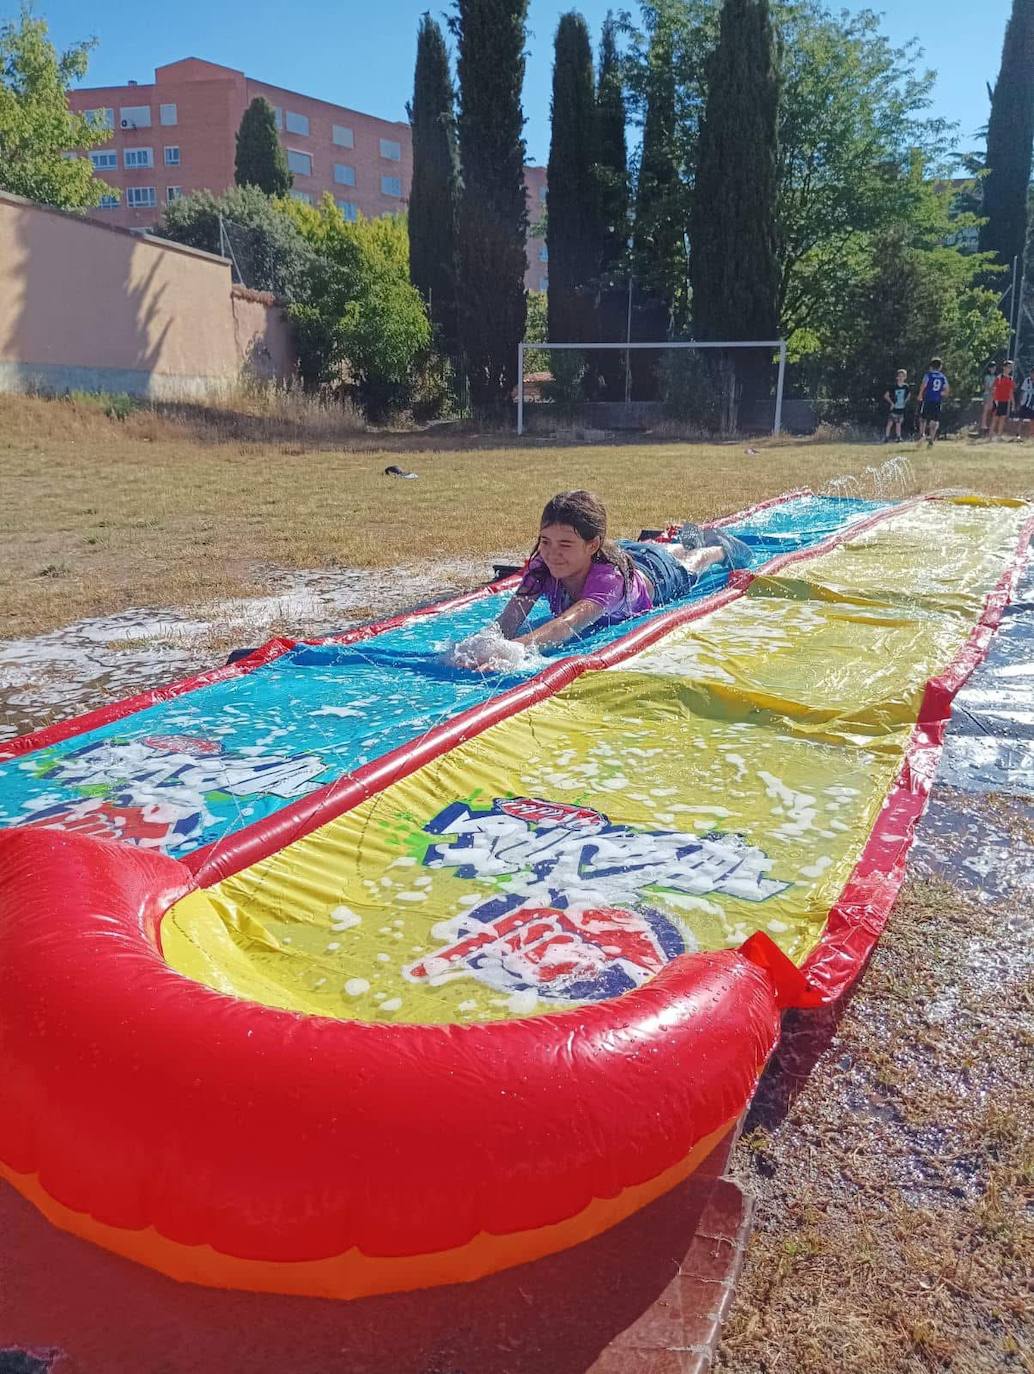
<point>670,580</point>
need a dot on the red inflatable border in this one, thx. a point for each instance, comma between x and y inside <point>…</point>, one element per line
<point>147,1100</point>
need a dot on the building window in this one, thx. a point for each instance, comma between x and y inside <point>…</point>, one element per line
<point>543,193</point>
<point>167,114</point>
<point>104,162</point>
<point>344,138</point>
<point>343,174</point>
<point>301,163</point>
<point>350,211</point>
<point>303,196</point>
<point>137,157</point>
<point>543,283</point>
<point>297,123</point>
<point>543,253</point>
<point>108,203</point>
<point>278,116</point>
<point>391,186</point>
<point>174,193</point>
<point>140,197</point>
<point>135,117</point>
<point>391,150</point>
<point>103,118</point>
<point>172,157</point>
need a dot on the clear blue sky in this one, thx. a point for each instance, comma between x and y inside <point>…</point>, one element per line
<point>361,54</point>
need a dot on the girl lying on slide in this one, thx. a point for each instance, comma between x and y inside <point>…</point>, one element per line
<point>590,580</point>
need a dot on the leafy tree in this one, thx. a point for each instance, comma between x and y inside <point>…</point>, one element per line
<point>612,151</point>
<point>1010,136</point>
<point>261,160</point>
<point>493,207</point>
<point>269,252</point>
<point>574,230</point>
<point>37,129</point>
<point>434,198</point>
<point>360,311</point>
<point>852,114</point>
<point>915,296</point>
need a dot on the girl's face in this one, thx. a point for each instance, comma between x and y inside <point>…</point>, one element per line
<point>564,551</point>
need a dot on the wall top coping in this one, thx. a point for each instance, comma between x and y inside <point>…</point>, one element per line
<point>152,240</point>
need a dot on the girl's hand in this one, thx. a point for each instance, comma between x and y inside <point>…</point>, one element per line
<point>488,652</point>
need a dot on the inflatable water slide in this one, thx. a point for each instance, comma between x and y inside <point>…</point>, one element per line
<point>340,971</point>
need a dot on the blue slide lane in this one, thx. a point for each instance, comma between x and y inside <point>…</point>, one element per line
<point>189,771</point>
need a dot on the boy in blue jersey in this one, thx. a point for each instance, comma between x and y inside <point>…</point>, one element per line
<point>932,392</point>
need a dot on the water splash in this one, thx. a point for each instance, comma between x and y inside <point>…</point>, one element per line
<point>894,478</point>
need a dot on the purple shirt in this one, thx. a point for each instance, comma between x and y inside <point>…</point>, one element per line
<point>604,585</point>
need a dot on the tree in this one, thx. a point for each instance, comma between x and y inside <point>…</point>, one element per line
<point>269,252</point>
<point>612,169</point>
<point>915,295</point>
<point>734,268</point>
<point>493,206</point>
<point>434,198</point>
<point>612,149</point>
<point>1010,135</point>
<point>852,114</point>
<point>360,309</point>
<point>37,129</point>
<point>573,229</point>
<point>658,256</point>
<point>261,160</point>
<point>733,261</point>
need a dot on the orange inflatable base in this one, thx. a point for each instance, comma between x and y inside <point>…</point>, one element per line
<point>353,1274</point>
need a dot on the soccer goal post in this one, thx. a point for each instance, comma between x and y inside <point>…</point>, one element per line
<point>776,346</point>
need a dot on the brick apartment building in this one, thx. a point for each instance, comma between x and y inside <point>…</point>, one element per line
<point>177,135</point>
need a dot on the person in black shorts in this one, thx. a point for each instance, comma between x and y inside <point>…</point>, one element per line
<point>896,397</point>
<point>932,392</point>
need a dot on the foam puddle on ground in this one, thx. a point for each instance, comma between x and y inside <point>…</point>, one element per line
<point>55,676</point>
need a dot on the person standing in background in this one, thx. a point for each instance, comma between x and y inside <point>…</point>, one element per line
<point>1004,397</point>
<point>896,397</point>
<point>932,392</point>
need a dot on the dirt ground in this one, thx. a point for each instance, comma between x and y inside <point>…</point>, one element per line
<point>893,1230</point>
<point>178,510</point>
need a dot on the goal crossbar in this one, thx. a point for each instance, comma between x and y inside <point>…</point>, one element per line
<point>779,344</point>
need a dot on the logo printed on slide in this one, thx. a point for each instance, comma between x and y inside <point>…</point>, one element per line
<point>574,913</point>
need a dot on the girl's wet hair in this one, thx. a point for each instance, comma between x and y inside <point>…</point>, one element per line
<point>586,513</point>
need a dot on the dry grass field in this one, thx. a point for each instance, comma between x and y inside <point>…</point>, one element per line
<point>179,509</point>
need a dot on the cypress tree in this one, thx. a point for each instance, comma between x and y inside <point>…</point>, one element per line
<point>613,178</point>
<point>1010,133</point>
<point>433,199</point>
<point>734,268</point>
<point>733,259</point>
<point>493,221</point>
<point>573,225</point>
<point>261,160</point>
<point>657,250</point>
<point>612,149</point>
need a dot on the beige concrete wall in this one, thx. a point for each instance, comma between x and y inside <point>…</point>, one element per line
<point>84,306</point>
